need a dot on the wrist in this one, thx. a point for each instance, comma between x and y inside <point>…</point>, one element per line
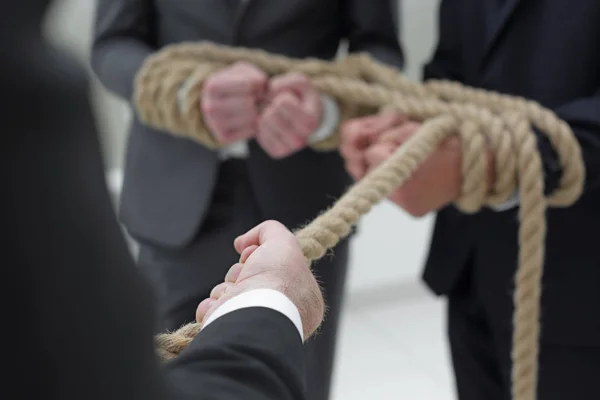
<point>551,166</point>
<point>305,295</point>
<point>330,116</point>
<point>509,203</point>
<point>257,297</point>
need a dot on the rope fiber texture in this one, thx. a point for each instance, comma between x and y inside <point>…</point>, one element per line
<point>481,119</point>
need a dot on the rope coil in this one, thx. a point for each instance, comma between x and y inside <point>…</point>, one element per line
<point>481,120</point>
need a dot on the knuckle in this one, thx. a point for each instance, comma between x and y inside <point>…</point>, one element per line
<point>211,86</point>
<point>289,99</point>
<point>248,66</point>
<point>238,66</point>
<point>273,224</point>
<point>295,75</point>
<point>298,77</point>
<point>260,76</point>
<point>291,240</point>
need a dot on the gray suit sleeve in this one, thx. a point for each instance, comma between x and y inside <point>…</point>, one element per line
<point>123,37</point>
<point>372,26</point>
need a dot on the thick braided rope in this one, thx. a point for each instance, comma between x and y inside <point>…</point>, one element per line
<point>479,118</point>
<point>360,86</point>
<point>168,87</point>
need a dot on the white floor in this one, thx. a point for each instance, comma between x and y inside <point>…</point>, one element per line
<point>393,348</point>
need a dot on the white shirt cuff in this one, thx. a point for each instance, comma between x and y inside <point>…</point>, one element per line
<point>512,202</point>
<point>329,121</point>
<point>267,298</point>
<point>181,93</point>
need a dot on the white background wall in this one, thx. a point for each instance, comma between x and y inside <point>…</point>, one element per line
<point>390,247</point>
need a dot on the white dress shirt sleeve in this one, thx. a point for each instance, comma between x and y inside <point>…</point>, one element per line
<point>267,298</point>
<point>512,202</point>
<point>329,121</point>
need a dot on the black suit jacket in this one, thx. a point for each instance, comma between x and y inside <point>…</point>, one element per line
<point>168,181</point>
<point>78,314</point>
<point>548,51</point>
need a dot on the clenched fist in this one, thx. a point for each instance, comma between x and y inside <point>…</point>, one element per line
<point>230,102</point>
<point>437,182</point>
<point>359,134</point>
<point>270,258</point>
<point>293,113</point>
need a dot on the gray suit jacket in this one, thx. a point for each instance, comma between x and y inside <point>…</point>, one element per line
<point>169,181</point>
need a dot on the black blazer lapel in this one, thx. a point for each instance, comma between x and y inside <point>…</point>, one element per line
<point>497,29</point>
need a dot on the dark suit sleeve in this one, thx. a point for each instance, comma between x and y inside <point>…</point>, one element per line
<point>81,316</point>
<point>583,115</point>
<point>446,62</point>
<point>251,353</point>
<point>124,35</point>
<point>371,26</point>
